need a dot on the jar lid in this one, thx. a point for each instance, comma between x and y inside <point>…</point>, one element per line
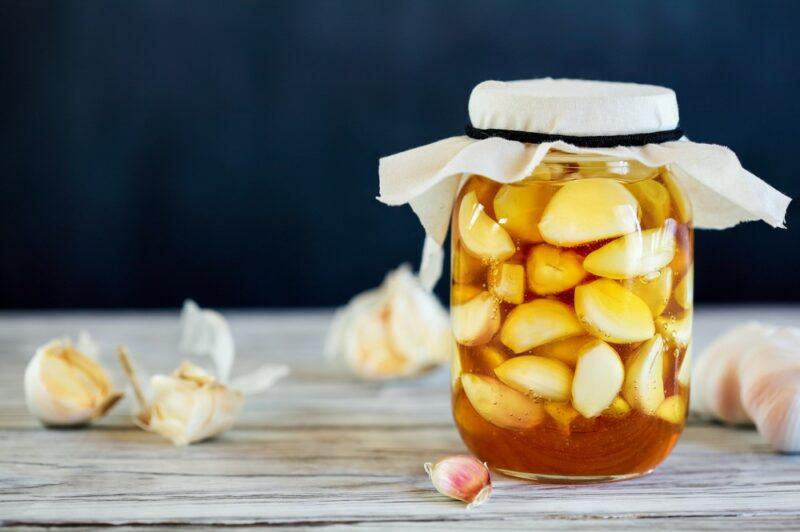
<point>573,107</point>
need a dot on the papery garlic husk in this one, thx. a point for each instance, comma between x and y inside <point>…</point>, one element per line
<point>770,388</point>
<point>396,330</point>
<point>205,332</point>
<point>65,386</point>
<point>715,376</point>
<point>461,477</point>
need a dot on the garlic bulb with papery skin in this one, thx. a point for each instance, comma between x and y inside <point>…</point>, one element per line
<point>461,477</point>
<point>715,376</point>
<point>192,405</point>
<point>396,330</point>
<point>65,386</point>
<point>770,388</point>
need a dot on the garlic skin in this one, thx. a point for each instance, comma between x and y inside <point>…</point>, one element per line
<point>461,477</point>
<point>770,388</point>
<point>65,386</point>
<point>715,376</point>
<point>396,330</point>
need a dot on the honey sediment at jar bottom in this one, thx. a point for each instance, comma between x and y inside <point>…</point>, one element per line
<point>598,335</point>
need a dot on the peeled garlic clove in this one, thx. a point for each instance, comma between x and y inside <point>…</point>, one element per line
<point>634,254</point>
<point>484,189</point>
<point>500,405</point>
<point>455,370</point>
<point>598,379</point>
<point>644,379</point>
<point>481,235</point>
<point>654,199</point>
<point>655,289</point>
<point>507,282</point>
<point>589,210</point>
<point>613,313</point>
<point>461,293</point>
<point>396,330</point>
<point>562,413</point>
<point>492,356</point>
<point>618,408</point>
<point>467,269</point>
<point>684,374</point>
<point>672,410</point>
<point>716,391</point>
<point>680,200</point>
<point>566,350</point>
<point>476,321</point>
<point>65,387</point>
<point>770,388</point>
<point>463,478</point>
<point>685,289</point>
<point>519,208</point>
<point>677,331</point>
<point>552,270</point>
<point>537,323</point>
<point>537,376</point>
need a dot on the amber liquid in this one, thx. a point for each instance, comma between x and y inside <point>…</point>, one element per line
<point>605,447</point>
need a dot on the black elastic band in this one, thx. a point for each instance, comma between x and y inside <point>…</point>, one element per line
<point>603,141</point>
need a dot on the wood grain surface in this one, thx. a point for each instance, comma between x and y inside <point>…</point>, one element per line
<point>322,450</point>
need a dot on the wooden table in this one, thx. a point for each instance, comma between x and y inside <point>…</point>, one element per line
<point>322,450</point>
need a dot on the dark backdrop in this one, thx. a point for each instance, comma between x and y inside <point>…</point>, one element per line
<point>154,150</point>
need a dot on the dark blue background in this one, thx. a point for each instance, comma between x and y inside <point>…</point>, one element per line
<point>228,150</point>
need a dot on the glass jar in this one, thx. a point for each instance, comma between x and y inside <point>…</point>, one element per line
<point>571,303</point>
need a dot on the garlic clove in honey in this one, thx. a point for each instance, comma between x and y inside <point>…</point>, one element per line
<point>492,356</point>
<point>612,313</point>
<point>562,413</point>
<point>672,410</point>
<point>536,323</point>
<point>589,210</point>
<point>654,199</point>
<point>537,376</point>
<point>482,236</point>
<point>618,408</point>
<point>654,289</point>
<point>500,405</point>
<point>396,330</point>
<point>644,379</point>
<point>463,478</point>
<point>683,207</point>
<point>635,254</point>
<point>716,391</point>
<point>467,269</point>
<point>461,293</point>
<point>566,350</point>
<point>507,282</point>
<point>519,209</point>
<point>552,270</point>
<point>65,386</point>
<point>685,370</point>
<point>598,379</point>
<point>685,289</point>
<point>770,388</point>
<point>476,321</point>
<point>677,331</point>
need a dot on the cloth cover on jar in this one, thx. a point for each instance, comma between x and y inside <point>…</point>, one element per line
<point>429,178</point>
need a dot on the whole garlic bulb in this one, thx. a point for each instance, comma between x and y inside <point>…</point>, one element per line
<point>770,388</point>
<point>396,330</point>
<point>65,386</point>
<point>715,376</point>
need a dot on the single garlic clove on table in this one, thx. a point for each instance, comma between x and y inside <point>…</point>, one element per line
<point>463,478</point>
<point>65,387</point>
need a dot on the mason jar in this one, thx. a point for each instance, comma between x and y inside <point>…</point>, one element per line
<point>571,305</point>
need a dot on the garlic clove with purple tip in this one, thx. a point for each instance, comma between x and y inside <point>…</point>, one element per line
<point>461,477</point>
